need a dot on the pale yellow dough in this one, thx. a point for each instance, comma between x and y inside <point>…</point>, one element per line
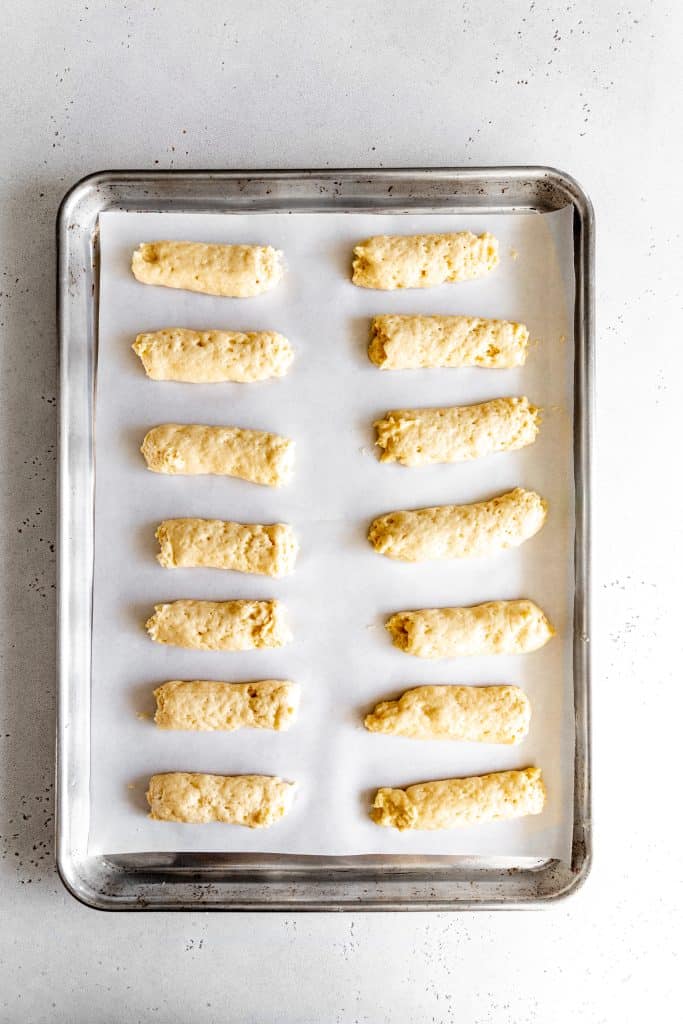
<point>235,271</point>
<point>423,261</point>
<point>451,803</point>
<point>256,801</point>
<point>411,342</point>
<point>459,531</point>
<point>422,437</point>
<point>269,550</point>
<point>219,625</point>
<point>204,705</point>
<point>482,714</point>
<point>211,357</point>
<point>192,448</point>
<point>496,627</point>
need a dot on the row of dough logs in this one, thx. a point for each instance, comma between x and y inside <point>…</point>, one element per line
<point>385,262</point>
<point>475,714</point>
<point>441,532</point>
<point>416,437</point>
<point>495,627</point>
<point>259,801</point>
<point>410,437</point>
<point>396,343</point>
<point>207,357</point>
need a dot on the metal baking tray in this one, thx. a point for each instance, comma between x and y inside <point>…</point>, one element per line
<point>211,881</point>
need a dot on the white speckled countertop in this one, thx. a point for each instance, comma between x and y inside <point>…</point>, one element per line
<point>591,88</point>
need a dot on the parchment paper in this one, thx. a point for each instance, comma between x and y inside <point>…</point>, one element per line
<point>342,591</point>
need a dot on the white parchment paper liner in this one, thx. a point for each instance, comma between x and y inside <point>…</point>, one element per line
<point>342,591</point>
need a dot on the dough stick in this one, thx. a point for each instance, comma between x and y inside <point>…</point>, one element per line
<point>192,448</point>
<point>219,625</point>
<point>236,271</point>
<point>484,714</point>
<point>256,801</point>
<point>496,627</point>
<point>450,803</point>
<point>204,705</point>
<point>459,531</point>
<point>388,262</point>
<point>215,544</point>
<point>410,342</point>
<point>423,437</point>
<point>211,357</point>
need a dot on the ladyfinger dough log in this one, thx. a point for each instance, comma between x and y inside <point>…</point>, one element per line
<point>451,803</point>
<point>422,261</point>
<point>211,357</point>
<point>256,801</point>
<point>496,627</point>
<point>235,271</point>
<point>204,705</point>
<point>459,531</point>
<point>484,714</point>
<point>423,437</point>
<point>215,544</point>
<point>219,625</point>
<point>192,448</point>
<point>411,342</point>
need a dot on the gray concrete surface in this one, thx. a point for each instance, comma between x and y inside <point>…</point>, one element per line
<point>592,88</point>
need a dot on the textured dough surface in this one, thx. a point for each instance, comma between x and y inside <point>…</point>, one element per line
<point>484,714</point>
<point>423,437</point>
<point>411,342</point>
<point>459,531</point>
<point>205,705</point>
<point>235,271</point>
<point>423,261</point>
<point>219,625</point>
<point>256,801</point>
<point>269,550</point>
<point>192,448</point>
<point>211,357</point>
<point>451,803</point>
<point>496,627</point>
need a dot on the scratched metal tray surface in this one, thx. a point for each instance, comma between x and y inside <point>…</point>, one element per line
<point>211,881</point>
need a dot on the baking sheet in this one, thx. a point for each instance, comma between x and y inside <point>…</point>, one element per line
<point>341,591</point>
